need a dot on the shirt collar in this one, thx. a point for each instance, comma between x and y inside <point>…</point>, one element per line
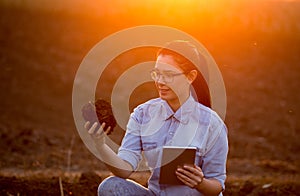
<point>182,114</point>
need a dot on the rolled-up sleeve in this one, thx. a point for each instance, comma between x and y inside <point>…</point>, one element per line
<point>131,148</point>
<point>214,161</point>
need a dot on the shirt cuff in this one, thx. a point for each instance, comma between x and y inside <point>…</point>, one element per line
<point>130,156</point>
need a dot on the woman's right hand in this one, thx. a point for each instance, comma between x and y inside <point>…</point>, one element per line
<point>116,165</point>
<point>97,135</point>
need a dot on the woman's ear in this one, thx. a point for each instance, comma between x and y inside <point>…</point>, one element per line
<point>192,75</point>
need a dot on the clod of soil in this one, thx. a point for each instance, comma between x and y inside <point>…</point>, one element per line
<point>100,111</point>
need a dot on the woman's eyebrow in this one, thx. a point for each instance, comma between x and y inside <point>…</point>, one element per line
<point>165,70</point>
<point>169,71</point>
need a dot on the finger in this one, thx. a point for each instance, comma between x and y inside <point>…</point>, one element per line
<point>199,172</point>
<point>190,168</point>
<point>188,183</point>
<point>195,170</point>
<point>192,174</point>
<point>186,170</point>
<point>87,124</point>
<point>192,182</point>
<point>186,180</point>
<point>103,125</point>
<point>92,129</point>
<point>101,129</point>
<point>108,130</point>
<point>198,168</point>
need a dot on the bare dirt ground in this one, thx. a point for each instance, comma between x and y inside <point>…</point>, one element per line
<point>42,153</point>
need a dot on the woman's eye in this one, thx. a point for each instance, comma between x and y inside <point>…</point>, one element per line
<point>168,74</point>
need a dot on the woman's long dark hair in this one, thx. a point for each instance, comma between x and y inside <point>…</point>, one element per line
<point>201,89</point>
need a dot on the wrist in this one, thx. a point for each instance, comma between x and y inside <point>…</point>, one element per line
<point>209,186</point>
<point>200,186</point>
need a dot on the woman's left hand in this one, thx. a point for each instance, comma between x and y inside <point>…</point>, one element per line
<point>190,175</point>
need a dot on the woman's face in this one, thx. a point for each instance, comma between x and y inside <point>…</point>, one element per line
<point>172,84</point>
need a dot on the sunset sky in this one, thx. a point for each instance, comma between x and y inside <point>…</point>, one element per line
<point>210,20</point>
<point>228,15</point>
<point>121,5</point>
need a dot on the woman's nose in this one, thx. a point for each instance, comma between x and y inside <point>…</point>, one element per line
<point>161,79</point>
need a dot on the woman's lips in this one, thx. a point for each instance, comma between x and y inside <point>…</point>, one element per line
<point>163,90</point>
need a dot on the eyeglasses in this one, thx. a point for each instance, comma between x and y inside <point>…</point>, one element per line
<point>167,77</point>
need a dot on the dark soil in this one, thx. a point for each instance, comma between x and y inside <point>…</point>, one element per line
<point>87,184</point>
<point>99,111</point>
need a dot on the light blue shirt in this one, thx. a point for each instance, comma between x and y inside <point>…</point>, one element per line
<point>153,125</point>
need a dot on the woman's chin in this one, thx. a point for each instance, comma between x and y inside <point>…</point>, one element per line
<point>162,96</point>
<point>165,96</point>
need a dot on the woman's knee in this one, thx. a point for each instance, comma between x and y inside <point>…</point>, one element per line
<point>108,185</point>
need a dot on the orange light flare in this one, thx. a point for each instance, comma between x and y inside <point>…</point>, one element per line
<point>171,12</point>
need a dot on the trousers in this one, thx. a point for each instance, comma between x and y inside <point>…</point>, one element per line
<point>116,186</point>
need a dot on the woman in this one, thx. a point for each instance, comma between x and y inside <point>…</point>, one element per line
<point>175,118</point>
